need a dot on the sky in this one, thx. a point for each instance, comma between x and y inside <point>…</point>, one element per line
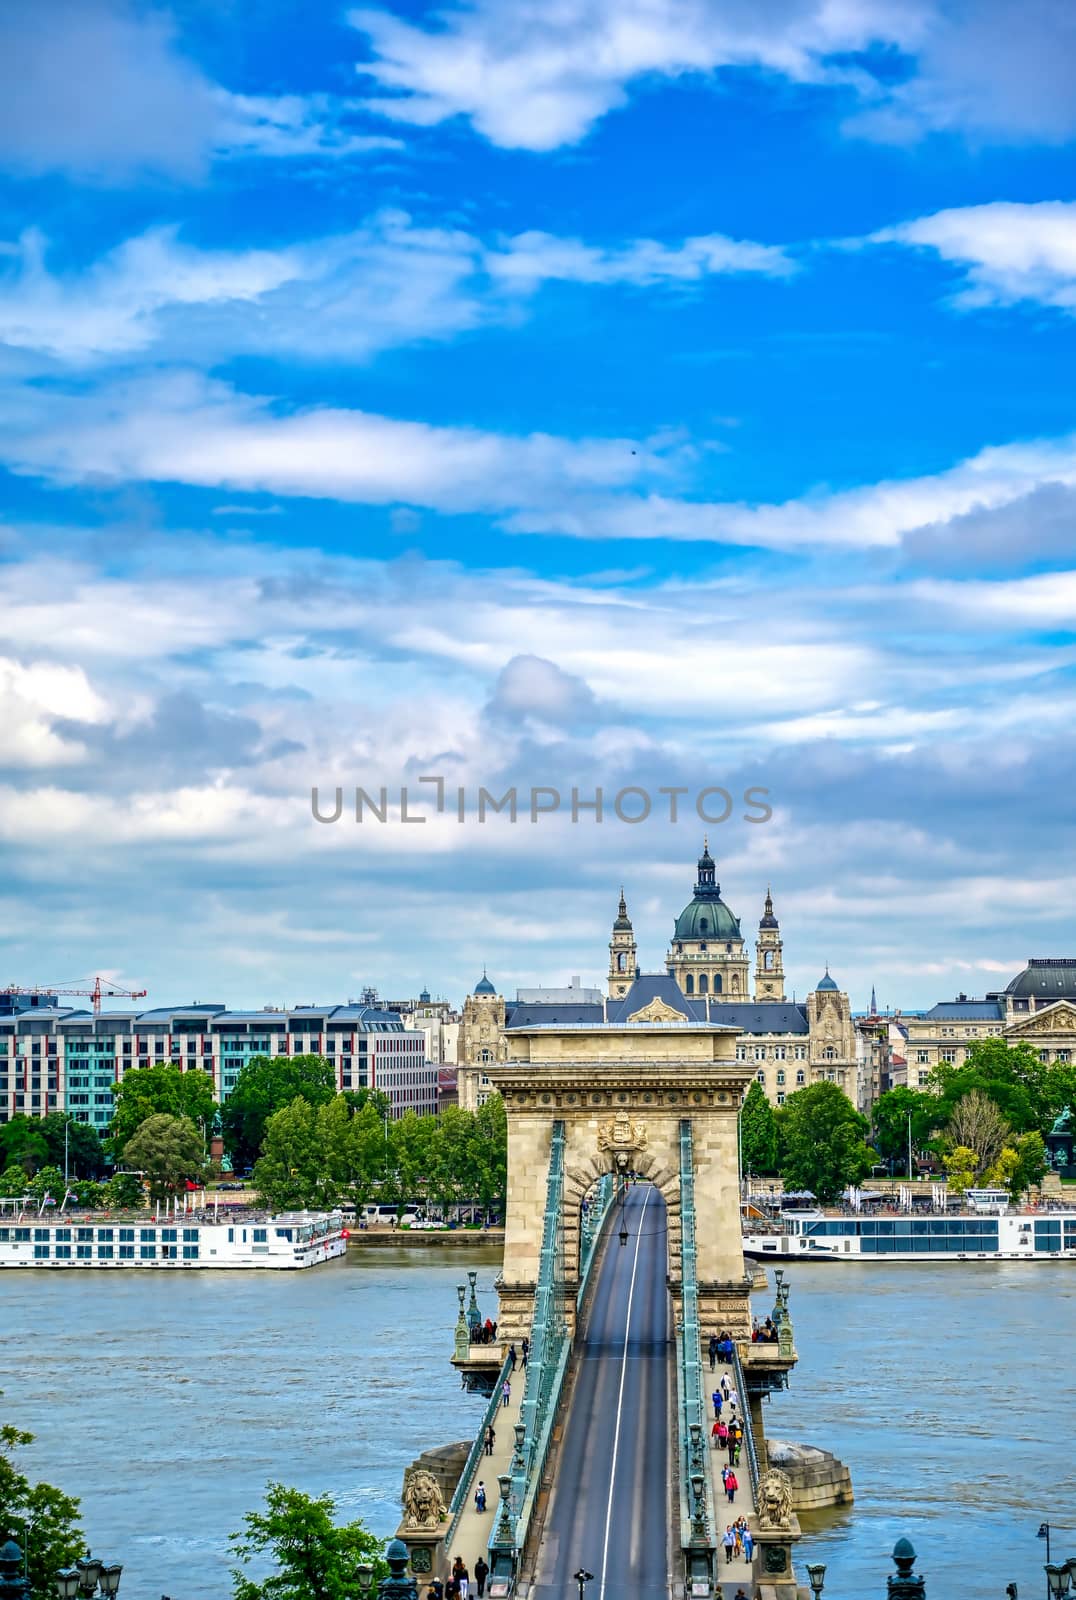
<point>593,394</point>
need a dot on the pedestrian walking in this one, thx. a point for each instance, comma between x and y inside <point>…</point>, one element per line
<point>481,1573</point>
<point>732,1483</point>
<point>732,1447</point>
<point>748,1540</point>
<point>732,1397</point>
<point>513,1358</point>
<point>464,1584</point>
<point>713,1351</point>
<point>506,1392</point>
<point>726,1385</point>
<point>526,1348</point>
<point>718,1402</point>
<point>480,1496</point>
<point>491,1440</point>
<point>728,1539</point>
<point>715,1434</point>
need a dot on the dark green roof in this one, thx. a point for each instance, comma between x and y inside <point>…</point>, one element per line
<point>706,918</point>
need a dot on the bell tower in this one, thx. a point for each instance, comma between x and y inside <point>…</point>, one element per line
<point>623,963</point>
<point>769,966</point>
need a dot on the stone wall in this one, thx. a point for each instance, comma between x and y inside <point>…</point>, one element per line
<point>818,1479</point>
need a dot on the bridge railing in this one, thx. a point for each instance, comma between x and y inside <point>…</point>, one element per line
<point>546,1366</point>
<point>697,1521</point>
<point>748,1431</point>
<point>598,1210</point>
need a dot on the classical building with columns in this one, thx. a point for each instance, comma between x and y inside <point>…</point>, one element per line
<point>788,1044</point>
<point>1037,1008</point>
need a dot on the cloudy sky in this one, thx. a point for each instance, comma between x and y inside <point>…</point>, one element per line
<point>593,393</point>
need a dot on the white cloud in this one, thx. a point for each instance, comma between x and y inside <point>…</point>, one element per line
<point>539,73</point>
<point>102,89</point>
<point>390,282</point>
<point>32,697</point>
<point>879,514</point>
<point>185,428</point>
<point>1011,252</point>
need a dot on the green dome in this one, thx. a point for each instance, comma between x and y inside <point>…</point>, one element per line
<point>706,919</point>
<point>707,916</point>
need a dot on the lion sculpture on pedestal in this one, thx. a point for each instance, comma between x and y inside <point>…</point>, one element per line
<point>774,1499</point>
<point>423,1503</point>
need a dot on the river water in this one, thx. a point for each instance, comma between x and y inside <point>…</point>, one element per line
<point>167,1401</point>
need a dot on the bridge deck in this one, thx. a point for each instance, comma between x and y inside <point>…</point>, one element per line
<point>609,1506</point>
<point>475,1527</point>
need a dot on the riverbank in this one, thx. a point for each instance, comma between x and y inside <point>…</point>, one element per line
<point>391,1238</point>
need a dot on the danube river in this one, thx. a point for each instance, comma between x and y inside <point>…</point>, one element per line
<point>166,1401</point>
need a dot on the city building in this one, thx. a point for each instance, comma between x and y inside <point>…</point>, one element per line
<point>1037,1008</point>
<point>707,978</point>
<point>59,1059</point>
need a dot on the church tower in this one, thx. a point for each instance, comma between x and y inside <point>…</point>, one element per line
<point>707,955</point>
<point>769,968</point>
<point>623,965</point>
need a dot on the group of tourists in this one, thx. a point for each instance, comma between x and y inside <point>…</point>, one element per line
<point>721,1348</point>
<point>484,1332</point>
<point>737,1541</point>
<point>764,1334</point>
<point>458,1584</point>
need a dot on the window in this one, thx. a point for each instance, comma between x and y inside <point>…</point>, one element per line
<point>127,1252</point>
<point>779,1052</point>
<point>689,984</point>
<point>148,1235</point>
<point>760,1052</point>
<point>104,1252</point>
<point>148,1252</point>
<point>761,1076</point>
<point>801,1052</point>
<point>780,1099</point>
<point>704,983</point>
<point>767,961</point>
<point>190,1252</point>
<point>84,1252</point>
<point>781,1076</point>
<point>717,983</point>
<point>801,1077</point>
<point>41,1252</point>
<point>948,1053</point>
<point>260,1235</point>
<point>922,1057</point>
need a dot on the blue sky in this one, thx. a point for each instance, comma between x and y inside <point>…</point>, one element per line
<point>593,392</point>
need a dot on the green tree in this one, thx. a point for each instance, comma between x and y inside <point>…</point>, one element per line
<point>1027,1091</point>
<point>357,1098</point>
<point>304,1156</point>
<point>822,1142</point>
<point>491,1155</point>
<point>961,1166</point>
<point>22,1144</point>
<point>13,1182</point>
<point>314,1558</point>
<point>758,1132</point>
<point>976,1124</point>
<point>1032,1163</point>
<point>266,1085</point>
<point>169,1151</point>
<point>889,1119</point>
<point>124,1191</point>
<point>56,1538</point>
<point>78,1143</point>
<point>47,1180</point>
<point>161,1090</point>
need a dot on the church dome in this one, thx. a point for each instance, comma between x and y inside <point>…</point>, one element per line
<point>483,986</point>
<point>826,982</point>
<point>706,916</point>
<point>623,921</point>
<point>1047,978</point>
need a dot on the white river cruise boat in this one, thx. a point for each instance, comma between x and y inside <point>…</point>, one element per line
<point>193,1240</point>
<point>1005,1236</point>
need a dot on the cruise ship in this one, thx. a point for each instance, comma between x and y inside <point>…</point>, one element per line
<point>1008,1236</point>
<point>285,1243</point>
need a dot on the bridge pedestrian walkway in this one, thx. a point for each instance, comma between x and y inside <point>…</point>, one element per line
<point>737,1573</point>
<point>471,1538</point>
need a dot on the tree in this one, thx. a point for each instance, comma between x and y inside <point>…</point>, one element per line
<point>74,1143</point>
<point>960,1168</point>
<point>976,1124</point>
<point>301,1158</point>
<point>169,1151</point>
<point>162,1090</point>
<point>758,1132</point>
<point>357,1098</point>
<point>47,1181</point>
<point>22,1144</point>
<point>822,1139</point>
<point>13,1182</point>
<point>1028,1093</point>
<point>57,1538</point>
<point>265,1085</point>
<point>314,1557</point>
<point>123,1192</point>
<point>889,1119</point>
<point>1028,1165</point>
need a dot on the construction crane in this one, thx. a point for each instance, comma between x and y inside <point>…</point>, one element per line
<point>98,993</point>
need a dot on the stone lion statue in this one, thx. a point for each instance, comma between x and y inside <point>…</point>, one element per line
<point>423,1503</point>
<point>774,1499</point>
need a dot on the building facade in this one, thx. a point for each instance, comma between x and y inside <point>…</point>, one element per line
<point>65,1060</point>
<point>1037,1008</point>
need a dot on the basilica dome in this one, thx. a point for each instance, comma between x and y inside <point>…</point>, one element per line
<point>706,916</point>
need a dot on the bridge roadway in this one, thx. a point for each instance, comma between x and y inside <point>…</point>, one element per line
<point>609,1505</point>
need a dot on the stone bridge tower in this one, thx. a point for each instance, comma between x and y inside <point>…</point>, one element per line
<point>622,1090</point>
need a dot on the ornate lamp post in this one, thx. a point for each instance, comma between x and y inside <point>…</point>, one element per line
<point>905,1586</point>
<point>816,1576</point>
<point>13,1585</point>
<point>582,1578</point>
<point>1060,1576</point>
<point>67,1582</point>
<point>474,1316</point>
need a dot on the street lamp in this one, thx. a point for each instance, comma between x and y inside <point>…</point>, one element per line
<point>110,1577</point>
<point>582,1577</point>
<point>66,1583</point>
<point>366,1579</point>
<point>1058,1578</point>
<point>89,1570</point>
<point>816,1576</point>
